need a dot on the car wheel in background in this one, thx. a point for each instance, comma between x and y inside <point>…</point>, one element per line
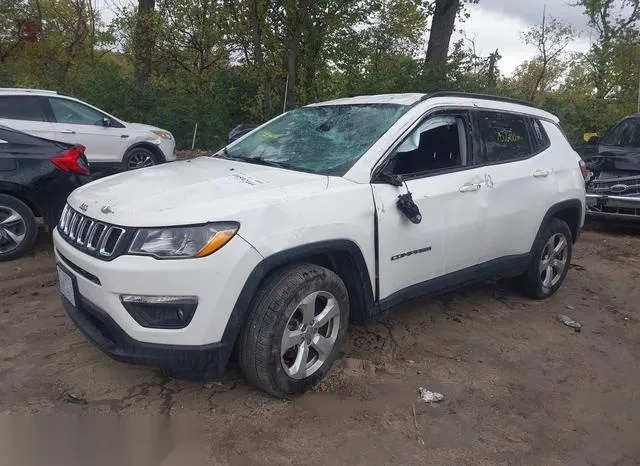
<point>18,228</point>
<point>551,260</point>
<point>295,330</point>
<point>139,157</point>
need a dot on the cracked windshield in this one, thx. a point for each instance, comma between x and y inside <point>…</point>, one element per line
<point>325,140</point>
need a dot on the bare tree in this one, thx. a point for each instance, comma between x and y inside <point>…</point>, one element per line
<point>550,38</point>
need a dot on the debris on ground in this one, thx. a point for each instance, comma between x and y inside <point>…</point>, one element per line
<point>571,308</point>
<point>569,322</point>
<point>76,400</point>
<point>578,267</point>
<point>430,397</point>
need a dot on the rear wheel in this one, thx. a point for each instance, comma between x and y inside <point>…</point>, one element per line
<point>295,330</point>
<point>551,261</point>
<point>140,157</point>
<point>18,228</point>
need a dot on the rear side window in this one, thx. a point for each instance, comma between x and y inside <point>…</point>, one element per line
<point>504,137</point>
<point>539,138</point>
<point>18,107</point>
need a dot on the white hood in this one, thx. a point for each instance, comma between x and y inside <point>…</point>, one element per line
<point>190,192</point>
<point>142,127</point>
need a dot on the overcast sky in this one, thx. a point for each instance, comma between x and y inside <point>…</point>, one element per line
<point>497,24</point>
<point>494,24</point>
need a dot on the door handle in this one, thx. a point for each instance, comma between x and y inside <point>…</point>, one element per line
<point>67,131</point>
<point>541,173</point>
<point>470,187</point>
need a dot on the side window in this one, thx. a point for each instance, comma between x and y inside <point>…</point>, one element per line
<point>539,138</point>
<point>75,113</point>
<point>505,137</point>
<point>438,143</point>
<point>18,107</point>
<point>626,134</point>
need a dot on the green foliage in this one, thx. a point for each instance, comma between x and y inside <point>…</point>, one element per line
<point>218,63</point>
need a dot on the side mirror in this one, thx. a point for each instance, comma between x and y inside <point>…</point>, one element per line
<point>593,141</point>
<point>240,130</point>
<point>106,122</point>
<point>389,178</point>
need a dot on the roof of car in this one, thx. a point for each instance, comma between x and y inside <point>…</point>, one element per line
<point>493,101</point>
<point>24,90</point>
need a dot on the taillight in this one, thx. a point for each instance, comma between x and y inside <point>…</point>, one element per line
<point>72,161</point>
<point>586,174</point>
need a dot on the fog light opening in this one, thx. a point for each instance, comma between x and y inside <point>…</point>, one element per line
<point>169,312</point>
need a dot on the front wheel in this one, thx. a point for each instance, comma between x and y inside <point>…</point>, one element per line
<point>295,330</point>
<point>140,157</point>
<point>18,228</point>
<point>551,260</point>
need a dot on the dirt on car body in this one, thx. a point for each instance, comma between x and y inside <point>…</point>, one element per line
<point>519,386</point>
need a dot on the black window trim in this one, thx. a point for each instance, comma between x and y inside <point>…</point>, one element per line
<point>383,160</point>
<point>463,112</point>
<point>624,120</point>
<point>526,116</point>
<point>547,140</point>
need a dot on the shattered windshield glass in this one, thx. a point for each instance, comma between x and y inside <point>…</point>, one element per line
<point>326,139</point>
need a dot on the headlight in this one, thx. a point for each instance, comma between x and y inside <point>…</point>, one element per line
<point>182,242</point>
<point>163,134</point>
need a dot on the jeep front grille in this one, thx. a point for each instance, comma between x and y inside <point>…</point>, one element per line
<point>96,238</point>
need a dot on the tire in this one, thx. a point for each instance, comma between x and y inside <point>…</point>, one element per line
<point>535,283</point>
<point>279,307</point>
<point>140,157</point>
<point>18,228</point>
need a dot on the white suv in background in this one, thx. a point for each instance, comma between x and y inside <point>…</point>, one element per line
<point>109,142</point>
<point>327,214</point>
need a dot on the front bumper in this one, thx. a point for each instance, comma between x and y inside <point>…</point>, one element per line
<point>205,362</point>
<point>606,206</point>
<point>205,343</point>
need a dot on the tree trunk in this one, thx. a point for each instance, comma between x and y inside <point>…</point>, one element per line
<point>444,19</point>
<point>144,41</point>
<point>297,20</point>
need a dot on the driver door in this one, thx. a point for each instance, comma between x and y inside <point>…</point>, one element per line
<point>76,123</point>
<point>434,161</point>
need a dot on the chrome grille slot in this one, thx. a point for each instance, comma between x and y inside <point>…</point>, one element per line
<point>111,240</point>
<point>96,238</point>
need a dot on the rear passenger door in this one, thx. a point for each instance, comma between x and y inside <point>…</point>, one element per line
<point>519,180</point>
<point>25,113</point>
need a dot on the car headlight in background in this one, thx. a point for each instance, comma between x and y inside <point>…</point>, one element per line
<point>163,134</point>
<point>183,242</point>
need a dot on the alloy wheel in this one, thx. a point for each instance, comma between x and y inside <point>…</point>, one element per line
<point>554,260</point>
<point>13,229</point>
<point>310,335</point>
<point>140,160</point>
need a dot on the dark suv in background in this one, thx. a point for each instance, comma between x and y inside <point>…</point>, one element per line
<point>613,188</point>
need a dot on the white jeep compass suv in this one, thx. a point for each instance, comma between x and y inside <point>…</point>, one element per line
<point>328,214</point>
<point>110,143</point>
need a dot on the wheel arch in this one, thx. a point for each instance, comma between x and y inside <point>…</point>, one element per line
<point>569,211</point>
<point>155,150</point>
<point>343,257</point>
<point>20,193</point>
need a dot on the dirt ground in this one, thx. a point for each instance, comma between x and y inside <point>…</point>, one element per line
<point>519,387</point>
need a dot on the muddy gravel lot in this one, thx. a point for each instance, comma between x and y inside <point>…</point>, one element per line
<point>519,387</point>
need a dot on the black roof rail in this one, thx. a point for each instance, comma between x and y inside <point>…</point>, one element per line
<point>472,95</point>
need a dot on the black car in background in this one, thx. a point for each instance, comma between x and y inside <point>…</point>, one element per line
<point>613,187</point>
<point>36,176</point>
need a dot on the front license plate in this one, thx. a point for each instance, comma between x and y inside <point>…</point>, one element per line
<point>66,286</point>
